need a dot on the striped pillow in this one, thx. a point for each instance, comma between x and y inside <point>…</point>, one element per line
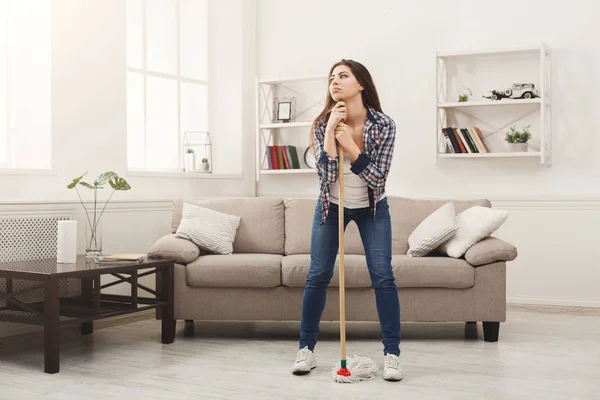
<point>437,228</point>
<point>210,230</point>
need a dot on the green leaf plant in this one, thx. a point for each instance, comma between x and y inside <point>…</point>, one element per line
<point>515,136</point>
<point>115,182</point>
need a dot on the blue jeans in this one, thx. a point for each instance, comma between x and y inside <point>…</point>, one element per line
<point>376,237</point>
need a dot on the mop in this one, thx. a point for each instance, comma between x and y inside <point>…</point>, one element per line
<point>356,368</point>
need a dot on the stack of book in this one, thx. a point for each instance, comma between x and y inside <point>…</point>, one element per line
<point>464,140</point>
<point>282,157</point>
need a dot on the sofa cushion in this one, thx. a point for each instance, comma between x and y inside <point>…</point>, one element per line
<point>261,227</point>
<point>490,250</point>
<point>407,214</point>
<point>299,215</point>
<point>410,272</point>
<point>235,270</point>
<point>181,250</point>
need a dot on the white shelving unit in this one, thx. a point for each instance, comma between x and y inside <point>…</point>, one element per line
<point>288,171</point>
<point>283,125</point>
<point>491,103</point>
<point>269,133</point>
<point>446,106</point>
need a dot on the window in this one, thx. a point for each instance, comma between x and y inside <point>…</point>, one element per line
<point>167,80</point>
<point>25,135</point>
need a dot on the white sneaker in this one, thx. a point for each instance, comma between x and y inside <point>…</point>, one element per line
<point>305,362</point>
<point>391,370</point>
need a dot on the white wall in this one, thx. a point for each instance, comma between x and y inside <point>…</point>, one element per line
<point>553,210</point>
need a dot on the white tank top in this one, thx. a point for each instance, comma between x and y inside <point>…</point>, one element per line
<point>356,194</point>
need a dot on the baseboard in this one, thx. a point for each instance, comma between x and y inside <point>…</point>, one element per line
<point>545,307</point>
<point>553,302</point>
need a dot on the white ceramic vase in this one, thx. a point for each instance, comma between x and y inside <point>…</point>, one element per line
<point>518,147</point>
<point>189,162</point>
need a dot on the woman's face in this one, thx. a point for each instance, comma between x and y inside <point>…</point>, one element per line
<point>343,84</point>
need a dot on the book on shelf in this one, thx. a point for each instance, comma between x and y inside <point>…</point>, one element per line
<point>464,140</point>
<point>282,157</point>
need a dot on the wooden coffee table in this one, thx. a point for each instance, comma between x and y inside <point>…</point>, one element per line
<point>53,311</point>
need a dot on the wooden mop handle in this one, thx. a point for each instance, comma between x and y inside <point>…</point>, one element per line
<point>341,252</point>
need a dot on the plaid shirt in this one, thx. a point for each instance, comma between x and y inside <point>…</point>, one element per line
<point>372,165</point>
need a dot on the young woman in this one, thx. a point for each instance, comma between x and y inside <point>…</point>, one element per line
<point>353,118</point>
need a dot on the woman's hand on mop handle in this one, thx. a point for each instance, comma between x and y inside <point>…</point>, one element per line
<point>343,134</point>
<point>338,114</point>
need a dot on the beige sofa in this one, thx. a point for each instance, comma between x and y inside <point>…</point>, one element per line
<point>264,278</point>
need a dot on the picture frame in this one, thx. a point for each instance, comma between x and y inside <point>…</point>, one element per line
<point>284,109</point>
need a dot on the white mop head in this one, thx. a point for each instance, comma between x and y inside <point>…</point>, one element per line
<point>361,369</point>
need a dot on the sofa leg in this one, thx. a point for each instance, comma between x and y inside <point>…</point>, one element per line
<point>490,331</point>
<point>471,330</point>
<point>188,331</point>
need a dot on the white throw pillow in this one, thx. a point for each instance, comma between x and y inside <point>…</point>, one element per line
<point>210,230</point>
<point>434,230</point>
<point>474,224</point>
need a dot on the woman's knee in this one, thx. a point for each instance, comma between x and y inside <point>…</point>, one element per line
<point>318,281</point>
<point>319,275</point>
<point>383,278</point>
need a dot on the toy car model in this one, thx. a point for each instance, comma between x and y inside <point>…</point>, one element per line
<point>517,91</point>
<point>522,91</point>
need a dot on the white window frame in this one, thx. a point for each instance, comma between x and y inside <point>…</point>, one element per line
<point>177,78</point>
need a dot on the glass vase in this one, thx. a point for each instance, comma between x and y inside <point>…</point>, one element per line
<point>93,237</point>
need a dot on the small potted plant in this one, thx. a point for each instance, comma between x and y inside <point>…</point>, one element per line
<point>205,166</point>
<point>189,161</point>
<point>518,139</point>
<point>463,96</point>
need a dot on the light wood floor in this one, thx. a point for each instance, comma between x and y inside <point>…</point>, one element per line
<point>545,355</point>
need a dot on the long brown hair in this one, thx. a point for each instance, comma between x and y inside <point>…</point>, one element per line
<point>369,95</point>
